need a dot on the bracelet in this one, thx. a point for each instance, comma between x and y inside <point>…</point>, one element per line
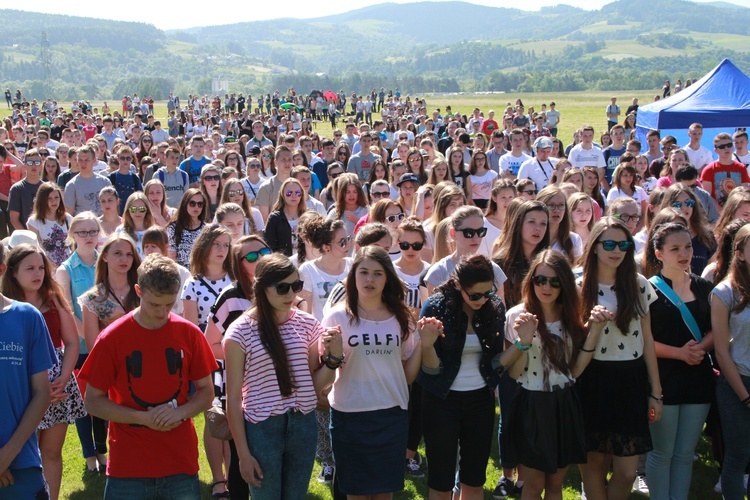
<point>522,347</point>
<point>588,350</point>
<point>660,398</point>
<point>745,401</point>
<point>339,359</point>
<point>331,366</point>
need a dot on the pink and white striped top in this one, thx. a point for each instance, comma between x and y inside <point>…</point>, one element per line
<point>261,397</point>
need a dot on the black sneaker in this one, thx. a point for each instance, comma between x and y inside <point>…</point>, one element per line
<point>413,469</point>
<point>503,489</point>
<point>326,474</point>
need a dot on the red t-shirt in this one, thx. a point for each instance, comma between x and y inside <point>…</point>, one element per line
<point>151,366</point>
<point>724,178</point>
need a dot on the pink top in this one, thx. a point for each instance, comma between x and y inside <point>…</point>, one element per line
<point>261,397</point>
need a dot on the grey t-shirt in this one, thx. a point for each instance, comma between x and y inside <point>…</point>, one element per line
<point>361,164</point>
<point>175,184</point>
<point>739,327</point>
<point>82,193</point>
<point>21,198</point>
<point>441,271</point>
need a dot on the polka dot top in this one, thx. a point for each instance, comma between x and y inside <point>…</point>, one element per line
<point>204,292</point>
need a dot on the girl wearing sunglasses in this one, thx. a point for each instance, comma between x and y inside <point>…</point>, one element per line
<point>136,218</point>
<point>544,431</point>
<point>369,399</point>
<point>281,227</point>
<point>272,355</point>
<point>390,213</point>
<point>682,199</point>
<point>234,192</point>
<point>467,230</point>
<point>251,183</point>
<point>186,225</point>
<point>561,237</point>
<point>234,300</point>
<point>210,180</point>
<point>410,266</point>
<point>620,390</point>
<point>461,367</point>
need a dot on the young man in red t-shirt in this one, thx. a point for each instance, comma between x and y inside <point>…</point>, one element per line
<point>145,361</point>
<point>721,176</point>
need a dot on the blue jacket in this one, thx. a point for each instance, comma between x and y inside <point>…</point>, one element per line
<point>489,326</point>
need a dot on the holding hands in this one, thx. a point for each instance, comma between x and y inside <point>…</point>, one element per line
<point>598,318</point>
<point>525,325</point>
<point>692,353</point>
<point>332,341</point>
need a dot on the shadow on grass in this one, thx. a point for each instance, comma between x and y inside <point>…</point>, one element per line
<point>92,486</point>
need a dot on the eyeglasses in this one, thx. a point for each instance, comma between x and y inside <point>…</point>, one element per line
<point>678,204</point>
<point>33,162</point>
<point>210,178</point>
<point>87,234</point>
<point>556,208</point>
<point>610,245</point>
<point>380,194</point>
<point>344,242</point>
<point>470,232</point>
<point>477,296</point>
<point>194,204</point>
<point>254,256</point>
<point>237,192</point>
<point>541,280</point>
<point>289,194</point>
<point>627,218</point>
<point>405,245</point>
<point>137,209</point>
<point>254,165</point>
<point>58,152</point>
<point>395,217</point>
<point>125,158</point>
<point>335,174</point>
<point>530,192</point>
<point>283,288</point>
<point>724,146</point>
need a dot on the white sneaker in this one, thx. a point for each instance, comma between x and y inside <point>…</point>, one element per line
<point>640,486</point>
<point>583,492</point>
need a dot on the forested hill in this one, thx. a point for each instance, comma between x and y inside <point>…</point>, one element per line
<point>426,46</point>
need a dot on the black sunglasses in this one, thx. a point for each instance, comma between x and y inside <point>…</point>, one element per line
<point>724,146</point>
<point>477,296</point>
<point>381,194</point>
<point>283,288</point>
<point>254,256</point>
<point>211,177</point>
<point>530,191</point>
<point>194,204</point>
<point>333,176</point>
<point>404,245</point>
<point>540,280</point>
<point>469,232</point>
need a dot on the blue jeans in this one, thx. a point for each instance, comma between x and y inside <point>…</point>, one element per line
<point>177,487</point>
<point>28,484</point>
<point>284,447</point>
<point>735,424</point>
<point>669,466</point>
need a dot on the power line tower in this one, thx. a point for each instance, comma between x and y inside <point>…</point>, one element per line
<point>46,64</point>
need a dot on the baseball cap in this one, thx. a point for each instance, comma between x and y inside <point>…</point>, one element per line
<point>407,177</point>
<point>543,143</point>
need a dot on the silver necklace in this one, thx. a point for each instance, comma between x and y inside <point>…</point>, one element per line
<point>366,314</point>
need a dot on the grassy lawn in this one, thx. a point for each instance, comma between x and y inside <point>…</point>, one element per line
<point>78,485</point>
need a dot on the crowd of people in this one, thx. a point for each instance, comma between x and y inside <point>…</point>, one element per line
<point>342,300</point>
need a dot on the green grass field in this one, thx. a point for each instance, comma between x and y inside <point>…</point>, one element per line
<point>577,109</point>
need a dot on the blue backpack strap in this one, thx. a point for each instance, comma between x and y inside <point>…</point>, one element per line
<point>675,299</point>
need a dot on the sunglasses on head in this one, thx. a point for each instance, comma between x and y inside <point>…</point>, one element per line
<point>405,245</point>
<point>211,177</point>
<point>470,232</point>
<point>380,194</point>
<point>236,192</point>
<point>255,255</point>
<point>610,245</point>
<point>194,204</point>
<point>395,217</point>
<point>283,288</point>
<point>540,280</point>
<point>477,296</point>
<point>678,204</point>
<point>137,209</point>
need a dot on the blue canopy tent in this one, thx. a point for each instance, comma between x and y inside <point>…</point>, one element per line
<point>720,101</point>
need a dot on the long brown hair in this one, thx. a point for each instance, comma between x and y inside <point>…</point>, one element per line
<point>49,290</point>
<point>181,219</point>
<point>269,271</point>
<point>348,179</point>
<point>649,265</point>
<point>281,202</point>
<point>202,248</point>
<point>629,303</point>
<point>393,293</point>
<point>698,222</point>
<point>236,257</point>
<point>568,305</point>
<point>101,273</point>
<point>563,231</point>
<point>739,277</point>
<point>725,252</point>
<point>40,203</point>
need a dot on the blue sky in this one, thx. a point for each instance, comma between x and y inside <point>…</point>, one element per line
<point>170,15</point>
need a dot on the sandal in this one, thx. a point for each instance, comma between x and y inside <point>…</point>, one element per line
<point>223,494</point>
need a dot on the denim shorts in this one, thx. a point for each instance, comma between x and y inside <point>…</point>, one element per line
<point>182,486</point>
